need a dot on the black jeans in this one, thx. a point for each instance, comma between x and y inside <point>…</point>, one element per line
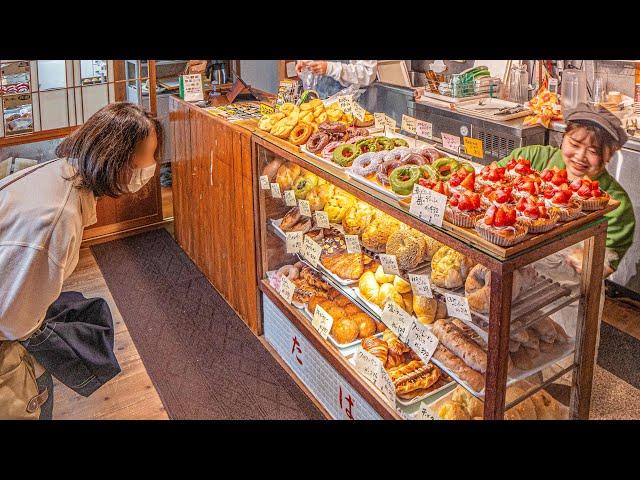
<point>75,342</point>
<point>46,409</point>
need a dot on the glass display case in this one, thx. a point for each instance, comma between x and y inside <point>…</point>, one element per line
<point>416,320</point>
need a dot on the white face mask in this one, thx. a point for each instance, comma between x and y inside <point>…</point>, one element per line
<point>139,178</point>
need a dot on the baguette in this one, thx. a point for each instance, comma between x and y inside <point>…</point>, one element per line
<point>469,351</point>
<point>459,368</point>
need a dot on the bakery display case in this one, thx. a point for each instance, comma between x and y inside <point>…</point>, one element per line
<point>416,319</point>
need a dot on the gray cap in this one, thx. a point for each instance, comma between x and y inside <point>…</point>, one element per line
<point>601,117</point>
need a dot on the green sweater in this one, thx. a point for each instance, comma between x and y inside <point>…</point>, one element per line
<point>621,220</point>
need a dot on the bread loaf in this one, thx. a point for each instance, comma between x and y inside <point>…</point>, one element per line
<point>455,364</point>
<point>456,341</point>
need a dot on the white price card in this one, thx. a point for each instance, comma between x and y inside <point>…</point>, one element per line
<point>458,306</point>
<point>450,142</point>
<point>421,285</point>
<point>389,264</point>
<point>322,219</point>
<point>391,123</point>
<point>275,191</point>
<point>369,366</point>
<point>305,208</point>
<point>379,120</point>
<point>428,205</point>
<point>358,111</point>
<point>346,103</point>
<point>408,124</point>
<point>264,183</point>
<point>353,244</point>
<point>287,289</point>
<point>424,129</point>
<point>294,241</point>
<point>322,321</point>
<point>398,321</point>
<point>386,386</point>
<point>311,251</point>
<point>192,89</point>
<point>422,341</point>
<point>425,413</point>
<point>290,198</point>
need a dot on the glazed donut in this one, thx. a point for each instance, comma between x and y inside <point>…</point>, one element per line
<point>333,127</point>
<point>357,139</point>
<point>289,271</point>
<point>366,164</point>
<point>414,159</point>
<point>271,169</point>
<point>327,151</point>
<point>396,153</point>
<point>300,133</point>
<point>317,142</point>
<point>390,163</point>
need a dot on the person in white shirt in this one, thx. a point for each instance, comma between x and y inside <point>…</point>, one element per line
<point>336,75</point>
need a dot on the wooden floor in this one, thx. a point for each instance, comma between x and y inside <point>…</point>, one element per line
<point>130,395</point>
<point>167,202</point>
<point>623,314</point>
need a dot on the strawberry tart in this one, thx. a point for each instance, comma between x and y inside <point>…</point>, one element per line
<point>499,225</point>
<point>463,209</point>
<point>589,194</point>
<point>562,199</point>
<point>533,212</point>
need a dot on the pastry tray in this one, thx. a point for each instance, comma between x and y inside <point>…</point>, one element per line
<point>375,185</point>
<point>339,346</point>
<point>304,150</point>
<point>270,275</point>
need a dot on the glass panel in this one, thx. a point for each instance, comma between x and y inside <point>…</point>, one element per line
<point>93,71</point>
<point>52,74</point>
<point>18,114</point>
<point>53,109</point>
<point>93,99</point>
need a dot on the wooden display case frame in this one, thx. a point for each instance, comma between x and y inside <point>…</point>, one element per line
<point>592,233</point>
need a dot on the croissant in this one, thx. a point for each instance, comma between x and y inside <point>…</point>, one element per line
<point>393,360</point>
<point>395,345</point>
<point>376,347</point>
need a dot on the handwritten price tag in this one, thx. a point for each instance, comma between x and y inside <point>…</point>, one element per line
<point>458,307</point>
<point>421,285</point>
<point>275,191</point>
<point>353,244</point>
<point>408,124</point>
<point>305,208</point>
<point>290,198</point>
<point>428,205</point>
<point>266,109</point>
<point>425,413</point>
<point>369,366</point>
<point>346,103</point>
<point>389,264</point>
<point>398,321</point>
<point>422,341</point>
<point>294,241</point>
<point>424,129</point>
<point>322,321</point>
<point>379,120</point>
<point>264,183</point>
<point>386,386</point>
<point>287,289</point>
<point>450,142</point>
<point>322,219</point>
<point>473,147</point>
<point>358,111</point>
<point>391,123</point>
<point>311,251</point>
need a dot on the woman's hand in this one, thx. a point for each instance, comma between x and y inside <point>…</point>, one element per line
<point>318,67</point>
<point>417,93</point>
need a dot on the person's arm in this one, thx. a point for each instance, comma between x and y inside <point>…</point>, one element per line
<point>541,156</point>
<point>361,73</point>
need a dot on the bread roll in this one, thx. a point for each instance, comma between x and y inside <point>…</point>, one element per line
<point>456,341</point>
<point>449,269</point>
<point>408,302</point>
<point>366,325</point>
<point>286,175</point>
<point>382,277</point>
<point>524,410</point>
<point>369,287</point>
<point>425,307</point>
<point>545,329</point>
<point>455,364</point>
<point>345,330</point>
<point>452,411</point>
<point>401,285</point>
<point>547,407</point>
<point>473,406</point>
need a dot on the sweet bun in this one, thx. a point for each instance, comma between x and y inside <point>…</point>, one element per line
<point>401,285</point>
<point>524,410</point>
<point>286,175</point>
<point>449,268</point>
<point>453,411</point>
<point>547,407</point>
<point>388,292</point>
<point>366,325</point>
<point>382,277</point>
<point>377,233</point>
<point>425,308</point>
<point>345,330</point>
<point>319,195</point>
<point>357,218</point>
<point>473,406</point>
<point>369,287</point>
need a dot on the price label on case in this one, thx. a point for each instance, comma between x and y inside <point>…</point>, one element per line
<point>358,111</point>
<point>424,129</point>
<point>311,251</point>
<point>386,386</point>
<point>275,191</point>
<point>425,413</point>
<point>428,205</point>
<point>353,244</point>
<point>379,120</point>
<point>422,341</point>
<point>322,321</point>
<point>322,219</point>
<point>294,241</point>
<point>473,147</point>
<point>398,321</point>
<point>458,307</point>
<point>450,142</point>
<point>290,198</point>
<point>421,285</point>
<point>408,124</point>
<point>264,182</point>
<point>287,289</point>
<point>346,103</point>
<point>305,208</point>
<point>389,264</point>
<point>369,366</point>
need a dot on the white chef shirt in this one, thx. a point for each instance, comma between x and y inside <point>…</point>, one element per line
<point>357,72</point>
<point>42,218</point>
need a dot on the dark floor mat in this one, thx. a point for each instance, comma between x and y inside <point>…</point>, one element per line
<point>619,353</point>
<point>202,359</point>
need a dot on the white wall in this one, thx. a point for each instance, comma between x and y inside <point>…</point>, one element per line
<point>261,74</point>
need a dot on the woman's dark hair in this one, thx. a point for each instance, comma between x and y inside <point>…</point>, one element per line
<point>602,141</point>
<point>104,146</point>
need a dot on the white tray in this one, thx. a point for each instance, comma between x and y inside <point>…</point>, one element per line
<point>448,99</point>
<point>375,185</point>
<point>270,274</point>
<point>321,159</point>
<point>342,281</point>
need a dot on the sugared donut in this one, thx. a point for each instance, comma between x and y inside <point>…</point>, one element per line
<point>327,151</point>
<point>367,163</point>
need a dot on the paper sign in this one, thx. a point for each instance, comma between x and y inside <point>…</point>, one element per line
<point>311,251</point>
<point>391,123</point>
<point>369,366</point>
<point>408,124</point>
<point>450,142</point>
<point>428,205</point>
<point>424,129</point>
<point>294,241</point>
<point>473,147</point>
<point>322,219</point>
<point>287,289</point>
<point>458,306</point>
<point>192,87</point>
<point>379,119</point>
<point>291,69</point>
<point>322,321</point>
<point>264,183</point>
<point>275,191</point>
<point>305,208</point>
<point>266,109</point>
<point>422,341</point>
<point>421,285</point>
<point>386,386</point>
<point>389,264</point>
<point>358,111</point>
<point>398,321</point>
<point>289,198</point>
<point>346,103</point>
<point>353,244</point>
<point>425,413</point>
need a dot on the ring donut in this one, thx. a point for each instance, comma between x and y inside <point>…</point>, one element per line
<point>300,133</point>
<point>289,271</point>
<point>327,151</point>
<point>333,127</point>
<point>366,164</point>
<point>317,142</point>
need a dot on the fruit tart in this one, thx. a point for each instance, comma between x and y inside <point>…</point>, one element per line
<point>499,225</point>
<point>436,185</point>
<point>562,199</point>
<point>492,174</point>
<point>463,209</point>
<point>498,196</point>
<point>516,168</point>
<point>554,177</point>
<point>589,194</point>
<point>462,180</point>
<point>527,185</point>
<point>533,212</point>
